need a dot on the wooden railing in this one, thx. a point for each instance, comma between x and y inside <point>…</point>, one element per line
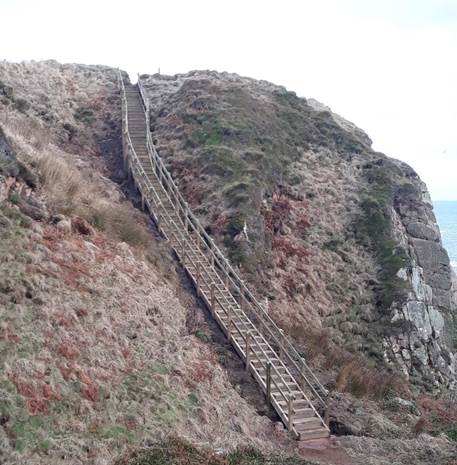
<point>247,300</point>
<point>249,308</point>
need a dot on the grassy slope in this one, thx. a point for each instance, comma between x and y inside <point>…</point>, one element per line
<point>250,153</point>
<point>95,351</point>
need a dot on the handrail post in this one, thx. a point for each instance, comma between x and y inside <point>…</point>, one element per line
<point>229,326</point>
<point>183,256</point>
<point>248,350</point>
<point>198,278</point>
<point>268,382</point>
<point>186,222</point>
<point>213,300</point>
<point>290,413</point>
<point>327,414</point>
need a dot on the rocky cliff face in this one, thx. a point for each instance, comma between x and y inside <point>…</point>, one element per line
<point>337,238</point>
<point>426,347</point>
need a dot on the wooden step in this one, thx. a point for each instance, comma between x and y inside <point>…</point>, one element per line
<point>298,403</point>
<point>317,433</point>
<point>304,424</point>
<point>305,412</point>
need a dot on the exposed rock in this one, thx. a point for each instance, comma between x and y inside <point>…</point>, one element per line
<point>422,231</point>
<point>64,226</point>
<point>8,161</point>
<point>81,226</point>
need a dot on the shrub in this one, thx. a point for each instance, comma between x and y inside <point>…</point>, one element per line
<point>6,90</point>
<point>85,115</point>
<point>202,336</point>
<point>14,198</point>
<point>22,105</point>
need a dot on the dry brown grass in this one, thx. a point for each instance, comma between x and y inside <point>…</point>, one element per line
<point>351,373</point>
<point>362,380</point>
<point>66,191</point>
<point>120,221</point>
<point>438,414</point>
<point>69,194</point>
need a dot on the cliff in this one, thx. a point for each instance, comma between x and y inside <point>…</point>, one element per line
<point>105,350</point>
<point>339,238</point>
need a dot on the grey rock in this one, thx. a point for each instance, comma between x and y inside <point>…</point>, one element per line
<point>423,231</point>
<point>8,161</point>
<point>434,260</point>
<point>442,299</point>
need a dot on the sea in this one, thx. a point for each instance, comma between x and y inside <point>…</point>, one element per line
<point>446,215</point>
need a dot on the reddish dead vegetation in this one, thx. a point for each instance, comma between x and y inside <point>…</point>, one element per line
<point>302,223</point>
<point>199,372</point>
<point>37,395</point>
<point>52,237</point>
<point>72,272</point>
<point>68,350</point>
<point>7,334</point>
<point>90,392</point>
<point>64,320</point>
<point>219,224</point>
<point>278,214</point>
<point>275,219</point>
<point>437,414</point>
<point>289,247</point>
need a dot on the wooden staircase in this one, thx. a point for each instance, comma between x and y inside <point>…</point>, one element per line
<point>288,383</point>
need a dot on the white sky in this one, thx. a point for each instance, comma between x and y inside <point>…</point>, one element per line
<point>390,66</point>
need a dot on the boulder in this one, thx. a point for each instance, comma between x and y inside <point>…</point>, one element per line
<point>64,226</point>
<point>423,231</point>
<point>434,260</point>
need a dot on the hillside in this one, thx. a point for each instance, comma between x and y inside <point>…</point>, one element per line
<point>340,239</point>
<point>106,352</point>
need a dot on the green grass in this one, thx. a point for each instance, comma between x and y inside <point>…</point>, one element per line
<point>374,230</point>
<point>451,433</point>
<point>14,198</point>
<point>115,432</point>
<point>202,336</point>
<point>32,433</point>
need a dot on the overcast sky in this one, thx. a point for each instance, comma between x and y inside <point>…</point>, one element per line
<point>390,66</point>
